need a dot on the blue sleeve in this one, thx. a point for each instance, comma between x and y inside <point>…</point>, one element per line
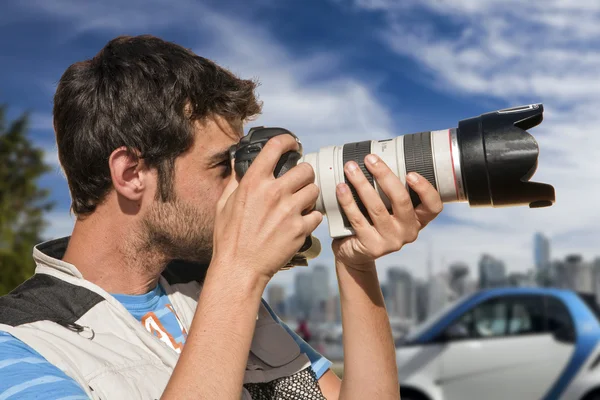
<point>25,374</point>
<point>319,363</point>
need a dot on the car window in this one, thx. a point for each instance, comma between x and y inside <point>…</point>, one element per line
<point>500,317</point>
<point>424,326</point>
<point>490,319</point>
<point>558,317</point>
<point>520,320</point>
<point>526,316</point>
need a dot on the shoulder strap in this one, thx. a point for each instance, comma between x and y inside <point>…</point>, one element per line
<point>46,298</point>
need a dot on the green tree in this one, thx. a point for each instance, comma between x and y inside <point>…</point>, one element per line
<point>22,202</point>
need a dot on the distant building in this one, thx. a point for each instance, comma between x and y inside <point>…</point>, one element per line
<point>439,293</point>
<point>422,301</point>
<point>334,309</point>
<point>303,295</point>
<point>320,292</point>
<point>574,273</point>
<point>519,279</point>
<point>402,293</point>
<point>292,307</point>
<point>459,278</point>
<point>276,299</point>
<point>582,273</point>
<point>548,277</point>
<point>541,251</point>
<point>492,272</point>
<point>563,279</point>
<point>471,286</point>
<point>596,276</point>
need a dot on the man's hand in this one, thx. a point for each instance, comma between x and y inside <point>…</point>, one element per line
<point>259,225</point>
<point>260,222</point>
<point>389,232</point>
<point>370,369</point>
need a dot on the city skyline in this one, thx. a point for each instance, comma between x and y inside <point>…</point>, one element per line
<point>413,298</point>
<point>443,265</point>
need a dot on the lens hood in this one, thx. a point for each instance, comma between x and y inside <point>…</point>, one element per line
<point>499,156</point>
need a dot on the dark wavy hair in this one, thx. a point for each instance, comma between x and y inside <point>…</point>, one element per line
<point>142,93</point>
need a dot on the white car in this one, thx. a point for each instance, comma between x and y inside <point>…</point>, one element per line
<point>505,344</point>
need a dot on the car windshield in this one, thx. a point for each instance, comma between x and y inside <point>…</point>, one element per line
<point>418,330</point>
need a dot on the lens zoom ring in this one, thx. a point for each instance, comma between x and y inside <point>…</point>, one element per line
<point>357,152</point>
<point>418,158</point>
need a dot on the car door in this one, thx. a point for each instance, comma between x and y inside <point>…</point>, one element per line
<point>504,348</point>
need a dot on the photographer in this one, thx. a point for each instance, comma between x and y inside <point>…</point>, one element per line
<point>157,292</point>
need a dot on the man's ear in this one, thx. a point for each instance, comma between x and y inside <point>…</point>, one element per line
<point>129,174</point>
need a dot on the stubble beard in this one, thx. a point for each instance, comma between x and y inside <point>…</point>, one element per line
<point>175,230</point>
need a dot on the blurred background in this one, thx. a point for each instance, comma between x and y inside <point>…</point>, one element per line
<point>338,71</point>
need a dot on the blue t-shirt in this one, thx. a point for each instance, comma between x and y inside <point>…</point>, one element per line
<point>25,374</point>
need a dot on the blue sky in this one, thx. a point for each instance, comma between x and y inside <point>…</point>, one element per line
<point>336,71</point>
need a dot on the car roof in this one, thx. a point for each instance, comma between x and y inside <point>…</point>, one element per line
<point>504,291</point>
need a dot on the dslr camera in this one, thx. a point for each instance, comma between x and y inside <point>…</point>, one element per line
<point>486,161</point>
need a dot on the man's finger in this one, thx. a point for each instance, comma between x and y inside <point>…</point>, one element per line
<point>355,216</point>
<point>311,221</point>
<point>431,202</point>
<point>391,185</point>
<point>370,198</point>
<point>264,164</point>
<point>298,177</point>
<point>306,197</point>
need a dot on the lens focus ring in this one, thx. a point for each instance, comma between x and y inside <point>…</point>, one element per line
<point>357,152</point>
<point>418,158</point>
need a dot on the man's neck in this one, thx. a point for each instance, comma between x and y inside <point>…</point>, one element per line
<point>109,254</point>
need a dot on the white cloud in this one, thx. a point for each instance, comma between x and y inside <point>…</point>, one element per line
<point>51,158</point>
<point>501,48</point>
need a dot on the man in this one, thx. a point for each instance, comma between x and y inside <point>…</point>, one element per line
<point>122,308</point>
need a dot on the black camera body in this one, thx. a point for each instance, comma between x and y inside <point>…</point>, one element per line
<point>244,154</point>
<point>251,144</point>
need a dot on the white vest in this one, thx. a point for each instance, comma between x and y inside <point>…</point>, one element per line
<point>88,334</point>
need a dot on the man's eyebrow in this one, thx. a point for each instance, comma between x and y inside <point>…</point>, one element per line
<point>219,157</point>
